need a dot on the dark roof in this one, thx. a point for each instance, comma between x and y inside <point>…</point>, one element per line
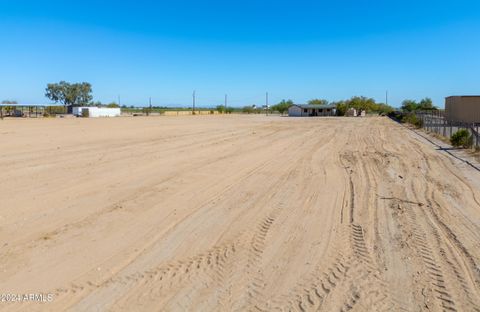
<point>463,96</point>
<point>315,106</point>
<point>31,105</point>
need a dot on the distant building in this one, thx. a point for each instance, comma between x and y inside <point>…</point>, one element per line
<point>463,109</point>
<point>92,111</point>
<point>299,110</point>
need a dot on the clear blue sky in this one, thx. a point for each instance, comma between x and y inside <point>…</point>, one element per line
<point>294,49</point>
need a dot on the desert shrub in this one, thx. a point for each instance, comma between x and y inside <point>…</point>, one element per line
<point>248,109</point>
<point>462,138</point>
<point>85,113</point>
<point>396,115</point>
<point>220,109</point>
<point>412,119</point>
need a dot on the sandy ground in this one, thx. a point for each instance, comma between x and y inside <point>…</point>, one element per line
<point>235,213</point>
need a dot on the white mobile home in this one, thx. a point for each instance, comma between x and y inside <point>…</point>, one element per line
<point>298,110</point>
<point>92,111</point>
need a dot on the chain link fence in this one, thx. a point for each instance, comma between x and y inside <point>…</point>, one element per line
<point>437,122</point>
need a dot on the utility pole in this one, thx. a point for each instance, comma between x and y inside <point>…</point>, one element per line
<point>193,108</point>
<point>119,100</point>
<point>149,106</point>
<point>226,96</point>
<point>266,104</point>
<point>386,97</point>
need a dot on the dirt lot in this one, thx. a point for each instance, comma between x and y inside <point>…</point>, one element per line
<point>235,213</point>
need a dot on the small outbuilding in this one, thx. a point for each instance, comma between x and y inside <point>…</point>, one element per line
<point>351,112</point>
<point>463,108</point>
<point>306,110</point>
<point>92,111</point>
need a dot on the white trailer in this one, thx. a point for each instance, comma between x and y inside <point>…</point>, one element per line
<point>94,112</point>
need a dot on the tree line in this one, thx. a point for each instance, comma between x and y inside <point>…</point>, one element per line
<point>409,108</point>
<point>80,94</point>
<point>360,103</point>
<point>425,104</point>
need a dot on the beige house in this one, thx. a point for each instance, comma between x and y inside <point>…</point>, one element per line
<point>298,110</point>
<point>463,109</point>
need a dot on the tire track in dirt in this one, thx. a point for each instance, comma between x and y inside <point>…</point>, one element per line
<point>420,225</point>
<point>145,193</point>
<point>394,221</point>
<point>276,185</point>
<point>434,271</point>
<point>413,230</point>
<point>255,300</point>
<point>360,283</point>
<point>464,280</point>
<point>464,291</point>
<point>417,227</point>
<point>434,207</point>
<point>165,277</point>
<point>310,294</point>
<point>350,279</point>
<point>347,160</point>
<point>76,287</point>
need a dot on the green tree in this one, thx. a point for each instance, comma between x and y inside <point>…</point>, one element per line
<point>426,104</point>
<point>113,105</point>
<point>361,103</point>
<point>412,106</point>
<point>383,108</point>
<point>318,102</point>
<point>342,107</point>
<point>69,94</point>
<point>409,106</point>
<point>220,109</point>
<point>283,106</point>
<point>412,119</point>
<point>248,109</point>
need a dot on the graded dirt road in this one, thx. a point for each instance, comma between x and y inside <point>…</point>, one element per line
<point>235,213</point>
